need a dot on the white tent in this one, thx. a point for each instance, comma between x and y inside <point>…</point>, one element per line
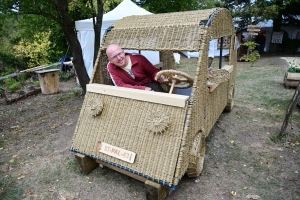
<point>86,37</point>
<point>267,26</point>
<point>213,50</point>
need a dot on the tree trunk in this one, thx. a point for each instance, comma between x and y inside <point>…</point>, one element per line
<point>277,20</point>
<point>68,26</point>
<point>97,28</point>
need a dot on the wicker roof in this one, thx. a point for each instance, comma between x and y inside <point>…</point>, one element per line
<point>189,18</point>
<point>179,31</point>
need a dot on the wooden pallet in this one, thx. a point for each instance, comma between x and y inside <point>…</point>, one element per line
<point>153,190</point>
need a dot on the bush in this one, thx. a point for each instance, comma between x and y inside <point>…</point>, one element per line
<point>9,81</point>
<point>23,77</point>
<point>294,67</point>
<point>15,86</point>
<point>37,83</point>
<point>253,54</point>
<point>10,64</point>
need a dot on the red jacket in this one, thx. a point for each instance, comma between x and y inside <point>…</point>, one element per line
<point>142,69</point>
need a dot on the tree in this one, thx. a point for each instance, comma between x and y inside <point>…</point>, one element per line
<point>163,6</point>
<point>64,13</point>
<point>38,51</point>
<point>253,11</point>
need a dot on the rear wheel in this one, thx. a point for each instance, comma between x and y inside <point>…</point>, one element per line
<point>197,154</point>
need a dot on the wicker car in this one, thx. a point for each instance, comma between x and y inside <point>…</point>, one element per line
<point>151,136</point>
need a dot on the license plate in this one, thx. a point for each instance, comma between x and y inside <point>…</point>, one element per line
<point>116,152</point>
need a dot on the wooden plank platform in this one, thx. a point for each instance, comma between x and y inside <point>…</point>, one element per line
<point>153,190</point>
<point>142,95</point>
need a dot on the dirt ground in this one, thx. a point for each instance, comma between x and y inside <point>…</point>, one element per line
<point>245,158</point>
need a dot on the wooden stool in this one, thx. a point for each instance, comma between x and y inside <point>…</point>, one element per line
<point>49,81</point>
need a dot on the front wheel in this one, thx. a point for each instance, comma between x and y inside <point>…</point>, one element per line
<point>197,154</point>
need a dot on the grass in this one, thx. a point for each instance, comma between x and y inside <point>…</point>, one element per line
<point>69,95</point>
<point>9,189</point>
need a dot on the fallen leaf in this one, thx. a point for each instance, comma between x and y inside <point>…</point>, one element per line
<point>233,193</point>
<point>30,192</point>
<point>245,188</point>
<point>21,177</point>
<point>232,141</point>
<point>15,156</point>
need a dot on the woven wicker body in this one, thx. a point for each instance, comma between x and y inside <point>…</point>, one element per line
<point>166,135</point>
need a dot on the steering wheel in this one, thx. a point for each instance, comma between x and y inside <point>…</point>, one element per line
<point>175,78</point>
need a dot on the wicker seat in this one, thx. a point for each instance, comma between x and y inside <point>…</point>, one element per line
<point>166,132</point>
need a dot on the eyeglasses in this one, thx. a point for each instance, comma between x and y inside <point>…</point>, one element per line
<point>116,56</point>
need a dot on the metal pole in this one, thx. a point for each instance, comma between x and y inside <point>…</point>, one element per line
<point>221,52</point>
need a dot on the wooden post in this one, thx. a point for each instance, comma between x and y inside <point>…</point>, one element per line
<point>85,164</point>
<point>49,81</point>
<point>155,191</point>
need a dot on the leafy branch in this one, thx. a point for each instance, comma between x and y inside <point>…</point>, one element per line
<point>252,54</point>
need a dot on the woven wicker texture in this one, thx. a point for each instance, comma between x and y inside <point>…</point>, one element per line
<point>172,31</point>
<point>165,19</point>
<point>164,156</point>
<point>156,152</point>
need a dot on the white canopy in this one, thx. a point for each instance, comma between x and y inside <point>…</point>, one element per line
<point>86,37</point>
<point>267,26</point>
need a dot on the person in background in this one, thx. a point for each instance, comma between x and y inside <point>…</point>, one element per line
<point>260,40</point>
<point>132,71</point>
